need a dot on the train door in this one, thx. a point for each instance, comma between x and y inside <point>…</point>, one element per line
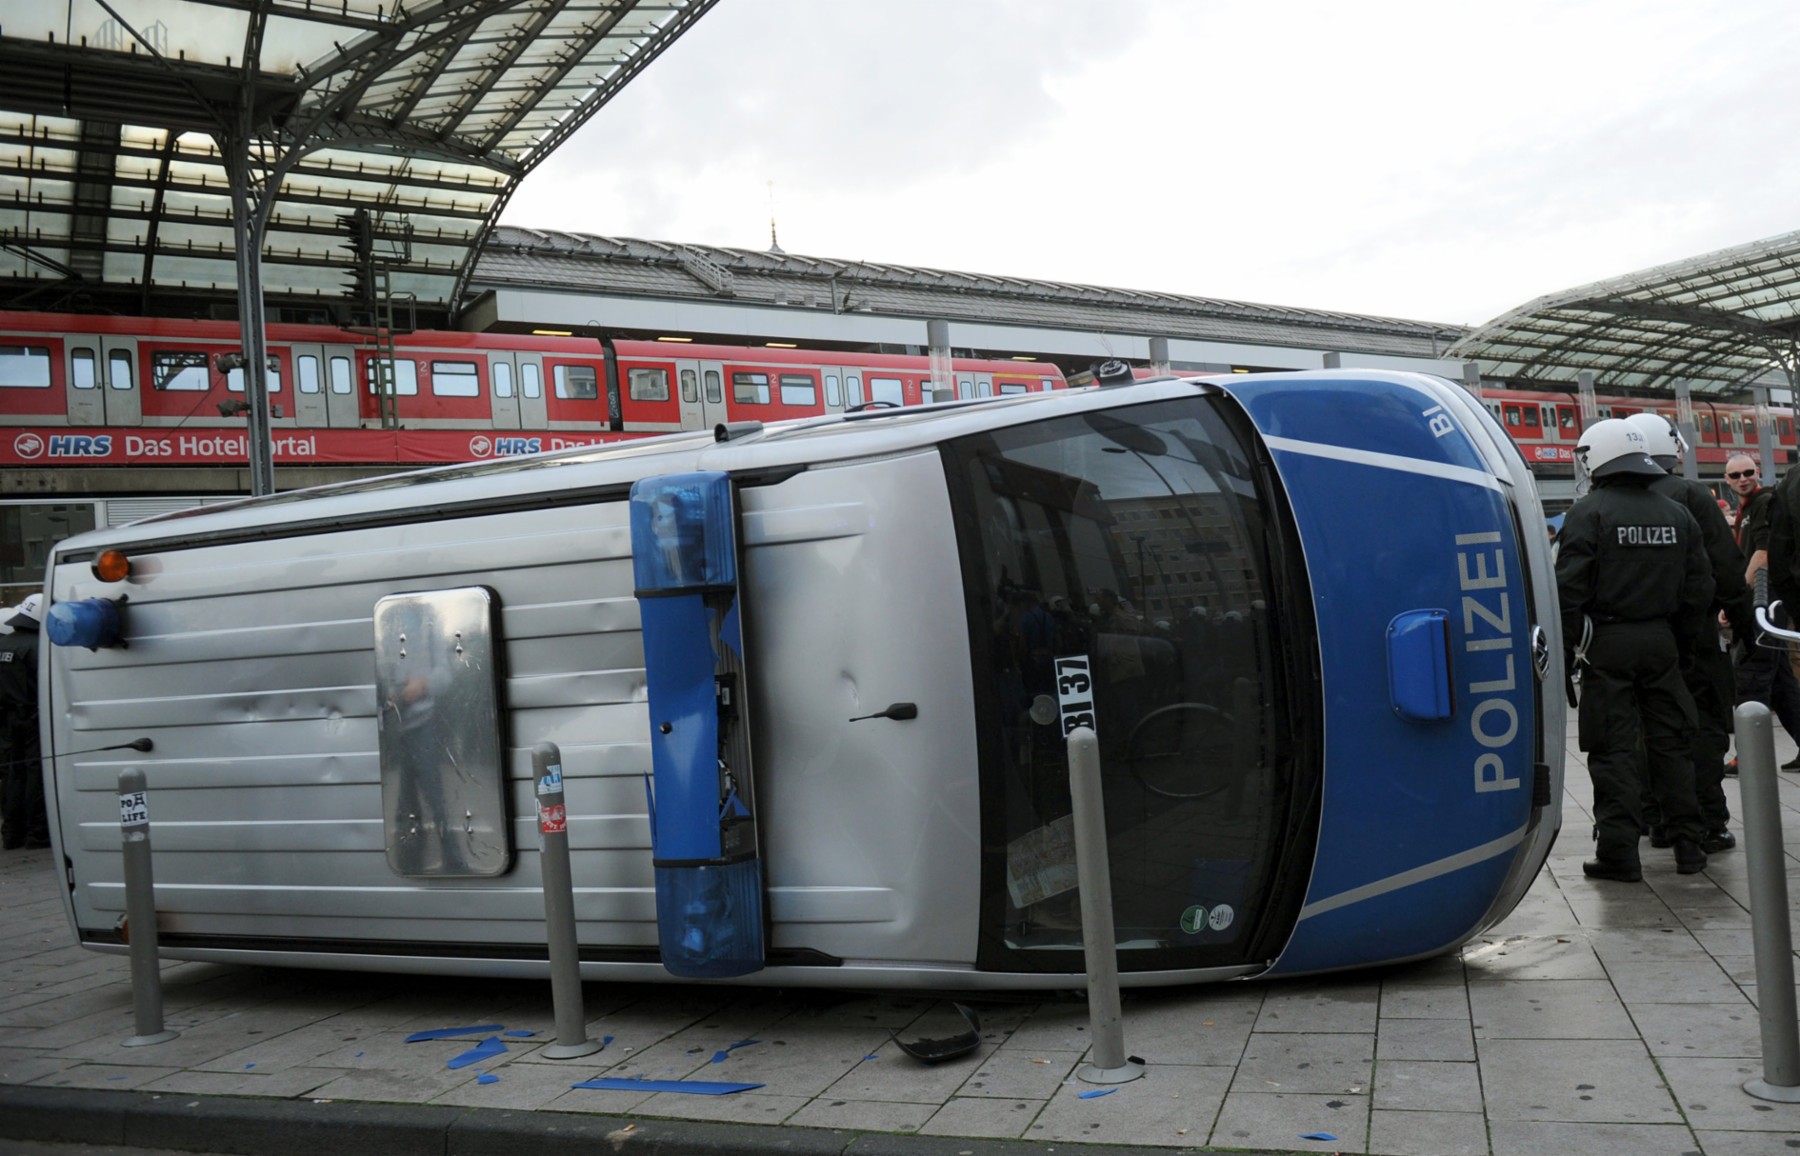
<point>503,389</point>
<point>102,381</point>
<point>702,388</point>
<point>975,385</point>
<point>534,411</point>
<point>324,388</point>
<point>836,397</point>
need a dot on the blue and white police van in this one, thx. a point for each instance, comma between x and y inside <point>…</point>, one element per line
<point>810,683</point>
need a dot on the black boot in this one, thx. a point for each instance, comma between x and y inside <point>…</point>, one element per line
<point>1618,870</point>
<point>1720,840</point>
<point>1689,858</point>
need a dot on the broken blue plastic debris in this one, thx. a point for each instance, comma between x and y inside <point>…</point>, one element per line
<point>446,1033</point>
<point>485,1050</point>
<point>1317,1136</point>
<point>487,1078</point>
<point>696,1087</point>
<point>1095,1092</point>
<point>871,1056</point>
<point>521,1032</point>
<point>247,1067</point>
<point>719,1057</point>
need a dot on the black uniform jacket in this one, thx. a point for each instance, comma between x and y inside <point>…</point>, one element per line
<point>1626,554</point>
<point>1730,592</point>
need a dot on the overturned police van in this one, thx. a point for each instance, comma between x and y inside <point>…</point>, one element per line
<point>810,682</point>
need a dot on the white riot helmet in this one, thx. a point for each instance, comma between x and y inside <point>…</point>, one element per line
<point>1664,439</point>
<point>1615,446</point>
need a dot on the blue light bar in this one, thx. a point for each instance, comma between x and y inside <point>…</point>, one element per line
<point>90,622</point>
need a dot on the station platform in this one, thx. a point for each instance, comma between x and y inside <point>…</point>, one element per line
<point>1598,1018</point>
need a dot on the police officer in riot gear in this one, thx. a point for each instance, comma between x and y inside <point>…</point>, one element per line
<point>1706,668</point>
<point>1634,583</point>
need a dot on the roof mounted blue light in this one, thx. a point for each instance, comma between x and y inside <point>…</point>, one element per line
<point>90,622</point>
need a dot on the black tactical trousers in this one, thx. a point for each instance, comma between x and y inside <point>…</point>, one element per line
<point>1712,684</point>
<point>1631,694</point>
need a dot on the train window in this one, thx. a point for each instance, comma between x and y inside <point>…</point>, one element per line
<point>1136,537</point>
<point>799,389</point>
<point>750,388</point>
<point>179,371</point>
<point>340,375</point>
<point>118,369</point>
<point>888,389</point>
<point>406,376</point>
<point>984,389</point>
<point>853,390</point>
<point>576,382</point>
<point>834,396</point>
<point>82,371</point>
<point>1512,415</point>
<point>690,387</point>
<point>1565,417</point>
<point>1786,425</point>
<point>502,375</point>
<point>234,378</point>
<point>1011,387</point>
<point>533,379</point>
<point>965,388</point>
<point>650,384</point>
<point>715,389</point>
<point>455,379</point>
<point>306,373</point>
<point>25,366</point>
<point>28,366</point>
<point>1706,423</point>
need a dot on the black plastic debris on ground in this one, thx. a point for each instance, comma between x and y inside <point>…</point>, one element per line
<point>935,1051</point>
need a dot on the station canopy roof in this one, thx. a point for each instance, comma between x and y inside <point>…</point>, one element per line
<point>118,120</point>
<point>1719,321</point>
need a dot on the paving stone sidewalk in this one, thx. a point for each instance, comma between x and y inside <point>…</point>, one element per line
<point>1598,1018</point>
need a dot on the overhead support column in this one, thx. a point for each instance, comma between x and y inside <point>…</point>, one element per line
<point>1334,360</point>
<point>1472,377</point>
<point>943,376</point>
<point>247,230</point>
<point>1159,356</point>
<point>1590,409</point>
<point>1684,421</point>
<point>1765,433</point>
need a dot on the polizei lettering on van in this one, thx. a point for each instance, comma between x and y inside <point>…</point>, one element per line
<point>1648,536</point>
<point>1488,651</point>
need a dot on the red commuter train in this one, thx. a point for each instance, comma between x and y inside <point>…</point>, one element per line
<point>1546,424</point>
<point>84,390</point>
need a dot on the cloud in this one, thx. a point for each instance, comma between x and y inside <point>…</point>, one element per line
<point>1401,157</point>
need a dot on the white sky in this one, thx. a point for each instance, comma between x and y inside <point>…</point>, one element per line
<point>1444,160</point>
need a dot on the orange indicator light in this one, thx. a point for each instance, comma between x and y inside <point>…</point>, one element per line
<point>112,566</point>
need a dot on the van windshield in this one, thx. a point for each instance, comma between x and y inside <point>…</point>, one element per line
<point>1143,548</point>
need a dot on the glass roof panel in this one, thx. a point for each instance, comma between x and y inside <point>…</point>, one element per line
<point>425,115</point>
<point>1717,321</point>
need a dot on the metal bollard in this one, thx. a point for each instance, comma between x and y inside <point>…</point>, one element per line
<point>559,908</point>
<point>1766,863</point>
<point>1109,1063</point>
<point>140,911</point>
